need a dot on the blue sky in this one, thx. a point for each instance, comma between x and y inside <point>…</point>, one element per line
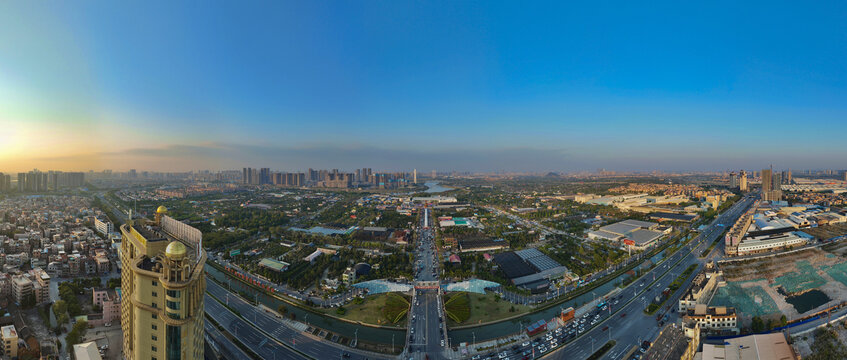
<point>398,85</point>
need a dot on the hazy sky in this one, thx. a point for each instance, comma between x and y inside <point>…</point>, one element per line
<point>400,85</point>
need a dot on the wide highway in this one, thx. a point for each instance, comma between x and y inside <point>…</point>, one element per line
<point>279,332</point>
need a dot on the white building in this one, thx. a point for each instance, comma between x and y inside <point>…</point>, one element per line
<point>104,227</point>
<point>769,242</point>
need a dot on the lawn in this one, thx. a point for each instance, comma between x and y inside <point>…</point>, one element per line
<point>485,308</point>
<point>370,311</point>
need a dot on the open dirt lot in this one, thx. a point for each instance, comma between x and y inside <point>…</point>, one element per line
<point>753,286</point>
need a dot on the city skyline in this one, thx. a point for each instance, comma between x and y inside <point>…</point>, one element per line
<point>476,87</point>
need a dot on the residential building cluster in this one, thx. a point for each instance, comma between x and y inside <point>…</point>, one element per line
<point>51,235</point>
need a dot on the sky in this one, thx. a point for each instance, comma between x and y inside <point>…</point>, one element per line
<point>397,85</point>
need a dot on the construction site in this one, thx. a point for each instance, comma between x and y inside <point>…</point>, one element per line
<point>794,284</point>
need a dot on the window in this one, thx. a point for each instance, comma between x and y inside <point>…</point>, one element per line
<point>155,327</point>
<point>155,306</point>
<point>155,294</point>
<point>173,293</point>
<point>154,337</point>
<point>153,348</point>
<point>155,283</point>
<point>154,316</point>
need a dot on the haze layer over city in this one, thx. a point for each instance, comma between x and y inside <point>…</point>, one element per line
<point>423,180</point>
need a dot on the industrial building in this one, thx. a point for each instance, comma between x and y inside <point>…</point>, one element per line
<point>666,216</point>
<point>638,234</point>
<point>530,268</point>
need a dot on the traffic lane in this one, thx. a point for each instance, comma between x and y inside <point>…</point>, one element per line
<point>631,307</point>
<point>252,338</point>
<point>280,331</point>
<point>228,349</point>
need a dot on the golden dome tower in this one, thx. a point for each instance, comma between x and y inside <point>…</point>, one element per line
<point>161,211</point>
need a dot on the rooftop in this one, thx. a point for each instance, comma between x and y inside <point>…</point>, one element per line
<point>753,347</point>
<point>8,331</point>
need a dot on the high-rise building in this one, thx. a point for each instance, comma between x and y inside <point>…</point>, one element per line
<point>415,176</point>
<point>786,177</point>
<point>845,176</point>
<point>264,176</point>
<point>742,181</point>
<point>162,286</point>
<point>767,180</point>
<point>771,185</point>
<point>733,180</point>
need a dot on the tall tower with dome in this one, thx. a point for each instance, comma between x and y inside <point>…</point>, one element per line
<point>162,286</point>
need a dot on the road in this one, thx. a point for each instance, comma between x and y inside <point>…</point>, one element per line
<point>319,349</point>
<point>225,346</point>
<point>248,335</point>
<point>556,292</point>
<point>426,325</point>
<point>635,326</point>
<point>623,319</point>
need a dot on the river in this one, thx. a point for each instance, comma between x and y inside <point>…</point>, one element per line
<point>433,187</point>
<point>343,328</point>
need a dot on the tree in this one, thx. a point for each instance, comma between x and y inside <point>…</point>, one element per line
<point>282,309</point>
<point>758,325</point>
<point>76,334</point>
<point>783,321</point>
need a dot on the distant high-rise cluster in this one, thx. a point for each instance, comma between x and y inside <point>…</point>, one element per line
<point>738,180</point>
<point>364,177</point>
<point>37,181</point>
<point>5,182</point>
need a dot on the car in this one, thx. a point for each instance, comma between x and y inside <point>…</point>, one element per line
<point>442,342</point>
<point>643,350</point>
<point>476,357</point>
<point>605,328</point>
<point>525,343</point>
<point>346,355</point>
<point>502,355</point>
<point>623,315</point>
